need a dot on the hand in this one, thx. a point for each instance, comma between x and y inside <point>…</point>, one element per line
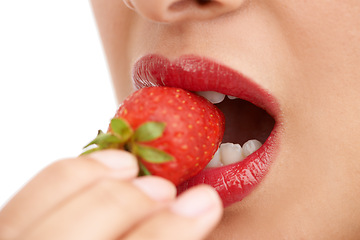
<point>98,196</point>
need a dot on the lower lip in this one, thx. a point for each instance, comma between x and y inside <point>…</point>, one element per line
<point>236,181</point>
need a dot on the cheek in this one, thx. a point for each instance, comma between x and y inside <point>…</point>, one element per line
<point>321,95</point>
<point>323,37</point>
<point>114,24</point>
<point>318,168</point>
<point>322,110</point>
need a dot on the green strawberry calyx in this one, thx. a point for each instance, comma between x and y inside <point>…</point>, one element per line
<point>122,136</point>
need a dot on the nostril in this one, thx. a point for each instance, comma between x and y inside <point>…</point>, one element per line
<point>171,11</point>
<point>189,5</point>
<point>203,2</point>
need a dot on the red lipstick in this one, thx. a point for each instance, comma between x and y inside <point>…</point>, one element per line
<point>232,182</point>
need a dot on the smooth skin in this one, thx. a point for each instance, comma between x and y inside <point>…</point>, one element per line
<point>305,53</point>
<point>100,197</point>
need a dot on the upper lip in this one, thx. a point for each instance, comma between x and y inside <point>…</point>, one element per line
<point>194,73</point>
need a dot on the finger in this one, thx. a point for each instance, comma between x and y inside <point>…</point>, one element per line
<point>59,181</point>
<point>106,210</point>
<point>157,188</point>
<point>192,217</point>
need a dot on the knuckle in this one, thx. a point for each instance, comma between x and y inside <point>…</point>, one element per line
<point>62,169</point>
<point>73,168</point>
<point>121,194</point>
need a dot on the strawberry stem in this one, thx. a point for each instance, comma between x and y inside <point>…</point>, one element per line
<point>143,170</point>
<point>122,136</point>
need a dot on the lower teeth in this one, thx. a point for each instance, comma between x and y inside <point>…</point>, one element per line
<point>229,153</point>
<point>250,147</point>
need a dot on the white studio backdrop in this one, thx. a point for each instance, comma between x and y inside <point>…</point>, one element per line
<point>55,89</point>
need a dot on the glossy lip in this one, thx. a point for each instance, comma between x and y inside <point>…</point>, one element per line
<point>233,182</point>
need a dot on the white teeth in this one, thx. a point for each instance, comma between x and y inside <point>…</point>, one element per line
<point>251,146</point>
<point>213,97</point>
<point>231,153</point>
<point>231,97</point>
<point>216,161</point>
<point>228,153</point>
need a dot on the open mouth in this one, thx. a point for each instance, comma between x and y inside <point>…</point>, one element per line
<point>252,134</point>
<point>246,128</point>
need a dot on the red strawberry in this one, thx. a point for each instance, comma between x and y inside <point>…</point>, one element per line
<point>173,132</point>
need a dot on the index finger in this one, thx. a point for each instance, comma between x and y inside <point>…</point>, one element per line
<point>59,181</point>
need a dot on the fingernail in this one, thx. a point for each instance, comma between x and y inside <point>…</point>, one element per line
<point>196,202</point>
<point>156,188</point>
<point>115,159</point>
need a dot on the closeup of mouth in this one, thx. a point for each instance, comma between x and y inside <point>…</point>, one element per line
<point>246,128</point>
<point>251,137</point>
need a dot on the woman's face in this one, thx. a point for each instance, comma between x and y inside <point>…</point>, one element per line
<point>306,55</point>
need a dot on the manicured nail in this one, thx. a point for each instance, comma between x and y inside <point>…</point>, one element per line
<point>196,202</point>
<point>116,160</point>
<point>156,188</point>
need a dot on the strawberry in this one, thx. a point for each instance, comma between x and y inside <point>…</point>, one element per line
<point>174,133</point>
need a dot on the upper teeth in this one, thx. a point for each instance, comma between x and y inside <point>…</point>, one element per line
<point>214,97</point>
<point>229,153</point>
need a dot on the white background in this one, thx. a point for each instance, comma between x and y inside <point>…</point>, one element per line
<point>55,89</point>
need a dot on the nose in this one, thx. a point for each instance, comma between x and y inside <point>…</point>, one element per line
<point>168,11</point>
